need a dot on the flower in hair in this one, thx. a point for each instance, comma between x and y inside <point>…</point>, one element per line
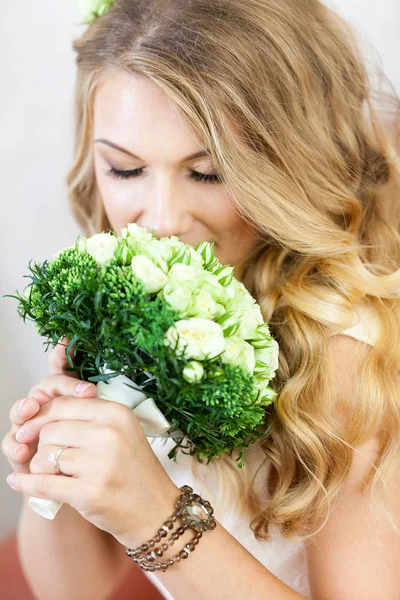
<point>89,10</point>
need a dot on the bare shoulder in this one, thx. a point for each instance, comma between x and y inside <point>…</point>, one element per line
<point>347,354</point>
<point>357,542</point>
<point>357,552</point>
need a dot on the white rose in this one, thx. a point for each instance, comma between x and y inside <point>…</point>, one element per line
<point>101,246</point>
<point>219,311</point>
<point>210,283</point>
<point>203,305</point>
<point>240,353</point>
<point>229,322</point>
<point>244,311</point>
<point>173,242</point>
<point>232,351</point>
<point>180,274</point>
<point>205,249</point>
<point>268,356</point>
<point>248,325</point>
<point>159,252</point>
<point>240,297</point>
<point>243,323</point>
<point>196,259</point>
<point>151,276</point>
<point>179,298</point>
<point>247,357</point>
<point>198,338</point>
<point>262,336</point>
<point>224,274</point>
<point>267,394</point>
<point>136,235</point>
<point>230,289</point>
<point>257,314</point>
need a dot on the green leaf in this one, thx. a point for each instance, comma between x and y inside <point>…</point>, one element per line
<point>102,377</point>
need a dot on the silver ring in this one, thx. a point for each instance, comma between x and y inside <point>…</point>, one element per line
<point>53,458</point>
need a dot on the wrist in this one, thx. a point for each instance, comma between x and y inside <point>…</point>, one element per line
<point>192,513</point>
<point>152,518</point>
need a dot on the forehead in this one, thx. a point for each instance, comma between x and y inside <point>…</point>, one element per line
<point>134,112</point>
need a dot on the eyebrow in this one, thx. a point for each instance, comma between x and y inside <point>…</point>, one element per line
<point>125,151</point>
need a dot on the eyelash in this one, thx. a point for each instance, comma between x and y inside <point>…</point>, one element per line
<point>200,177</point>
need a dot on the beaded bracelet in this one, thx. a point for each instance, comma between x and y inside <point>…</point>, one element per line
<point>195,513</point>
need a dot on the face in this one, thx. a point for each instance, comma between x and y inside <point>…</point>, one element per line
<point>146,172</point>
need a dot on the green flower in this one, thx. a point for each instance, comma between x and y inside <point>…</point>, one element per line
<point>89,10</point>
<point>193,372</point>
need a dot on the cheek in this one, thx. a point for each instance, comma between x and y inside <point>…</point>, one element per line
<point>236,236</point>
<point>218,207</point>
<point>118,201</point>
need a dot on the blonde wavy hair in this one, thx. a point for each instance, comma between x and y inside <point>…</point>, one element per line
<point>279,92</point>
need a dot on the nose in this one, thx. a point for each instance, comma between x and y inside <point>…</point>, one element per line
<point>164,209</point>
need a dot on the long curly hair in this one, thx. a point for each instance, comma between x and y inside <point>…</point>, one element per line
<point>279,91</point>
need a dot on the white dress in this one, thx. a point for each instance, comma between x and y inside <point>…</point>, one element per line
<point>284,558</point>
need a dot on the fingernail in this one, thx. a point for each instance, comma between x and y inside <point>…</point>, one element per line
<point>19,435</point>
<point>82,386</point>
<point>12,479</point>
<point>21,404</point>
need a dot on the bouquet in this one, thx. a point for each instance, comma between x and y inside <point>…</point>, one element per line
<point>164,328</point>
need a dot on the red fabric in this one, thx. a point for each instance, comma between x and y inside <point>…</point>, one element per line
<point>13,585</point>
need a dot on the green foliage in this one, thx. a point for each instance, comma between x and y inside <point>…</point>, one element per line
<point>109,319</point>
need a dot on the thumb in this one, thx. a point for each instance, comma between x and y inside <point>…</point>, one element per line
<point>58,363</point>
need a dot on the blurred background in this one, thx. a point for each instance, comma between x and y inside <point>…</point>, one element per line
<point>37,69</point>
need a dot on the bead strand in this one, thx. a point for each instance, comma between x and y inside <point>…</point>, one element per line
<point>192,520</point>
<point>182,554</point>
<point>162,532</point>
<point>158,552</point>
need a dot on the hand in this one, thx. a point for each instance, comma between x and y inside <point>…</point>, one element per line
<point>113,478</point>
<point>19,455</point>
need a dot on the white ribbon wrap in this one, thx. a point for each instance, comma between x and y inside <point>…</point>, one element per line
<point>152,420</point>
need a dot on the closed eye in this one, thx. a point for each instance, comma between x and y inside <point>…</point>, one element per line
<point>201,177</point>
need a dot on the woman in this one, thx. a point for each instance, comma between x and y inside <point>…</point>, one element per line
<point>297,183</point>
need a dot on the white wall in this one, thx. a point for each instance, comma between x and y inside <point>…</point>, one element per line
<point>378,24</point>
<point>36,89</point>
<point>37,72</point>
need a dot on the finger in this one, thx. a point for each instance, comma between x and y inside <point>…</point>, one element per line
<point>22,410</point>
<point>69,460</point>
<point>58,362</point>
<point>65,408</point>
<point>20,453</point>
<point>15,452</point>
<point>74,434</point>
<point>63,489</point>
<point>65,385</point>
